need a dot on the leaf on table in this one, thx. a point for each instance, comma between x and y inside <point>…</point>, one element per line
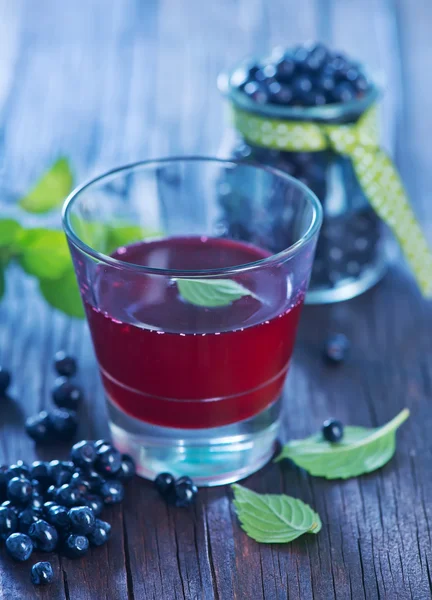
<point>361,450</point>
<point>273,518</point>
<point>51,189</point>
<point>45,253</point>
<point>211,293</point>
<point>63,294</point>
<point>10,231</point>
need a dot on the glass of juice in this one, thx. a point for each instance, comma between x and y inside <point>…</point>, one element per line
<point>193,329</point>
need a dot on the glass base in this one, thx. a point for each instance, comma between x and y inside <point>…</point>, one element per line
<point>213,456</point>
<point>347,288</point>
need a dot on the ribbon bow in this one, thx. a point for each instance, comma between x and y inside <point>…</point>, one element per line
<point>374,169</point>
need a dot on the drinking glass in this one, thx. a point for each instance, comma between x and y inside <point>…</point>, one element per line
<point>193,331</point>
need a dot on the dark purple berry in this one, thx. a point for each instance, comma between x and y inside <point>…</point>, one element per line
<point>5,380</point>
<point>27,517</point>
<point>58,516</point>
<point>19,490</point>
<point>40,470</point>
<point>9,504</point>
<point>19,546</point>
<point>43,535</point>
<point>336,348</point>
<point>82,520</point>
<point>332,430</point>
<point>100,443</point>
<point>255,92</point>
<point>185,492</point>
<point>58,473</point>
<point>67,394</point>
<point>42,573</point>
<point>164,483</point>
<point>94,502</point>
<point>280,94</point>
<point>108,460</point>
<point>37,502</point>
<point>48,505</point>
<point>65,365</point>
<point>285,68</point>
<point>100,533</point>
<point>76,546</point>
<point>20,469</point>
<point>39,427</point>
<point>64,424</point>
<point>127,469</point>
<point>8,521</point>
<point>83,454</point>
<point>343,92</point>
<point>112,492</point>
<point>67,495</point>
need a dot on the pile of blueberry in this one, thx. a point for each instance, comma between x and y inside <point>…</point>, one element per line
<point>56,505</point>
<point>61,423</point>
<point>308,75</point>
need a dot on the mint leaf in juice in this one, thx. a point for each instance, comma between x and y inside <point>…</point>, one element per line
<point>170,362</point>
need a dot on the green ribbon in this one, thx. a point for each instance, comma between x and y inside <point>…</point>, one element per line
<point>375,172</point>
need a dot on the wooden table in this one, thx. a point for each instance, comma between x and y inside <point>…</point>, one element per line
<point>106,82</point>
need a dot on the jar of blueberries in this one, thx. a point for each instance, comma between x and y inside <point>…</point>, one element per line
<point>308,85</point>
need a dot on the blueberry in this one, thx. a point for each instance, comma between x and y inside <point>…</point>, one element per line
<point>42,573</point>
<point>100,443</point>
<point>315,98</point>
<point>301,86</point>
<point>76,546</point>
<point>5,380</point>
<point>8,521</point>
<point>338,63</point>
<point>9,504</point>
<point>27,517</point>
<point>300,56</point>
<point>37,501</point>
<point>332,430</point>
<point>112,492</point>
<point>127,469</point>
<point>185,491</point>
<point>19,490</point>
<point>20,469</point>
<point>285,68</point>
<point>44,536</point>
<point>94,502</point>
<point>265,73</point>
<point>361,84</point>
<point>256,92</point>
<point>100,533</point>
<point>316,58</point>
<point>164,483</point>
<point>336,348</point>
<point>65,365</point>
<point>90,480</point>
<point>280,94</point>
<point>83,454</point>
<point>58,516</point>
<point>343,92</point>
<point>39,470</point>
<point>51,492</point>
<point>80,482</point>
<point>37,487</point>
<point>108,460</point>
<point>67,495</point>
<point>67,394</point>
<point>19,546</point>
<point>48,505</point>
<point>64,424</point>
<point>82,519</point>
<point>325,82</point>
<point>39,427</point>
<point>59,473</point>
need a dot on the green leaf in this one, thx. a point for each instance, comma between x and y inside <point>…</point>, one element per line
<point>273,518</point>
<point>361,450</point>
<point>122,235</point>
<point>63,294</point>
<point>10,231</point>
<point>2,282</point>
<point>51,189</point>
<point>45,253</point>
<point>211,292</point>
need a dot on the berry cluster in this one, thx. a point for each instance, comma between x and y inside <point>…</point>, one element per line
<point>180,492</point>
<point>56,505</point>
<point>308,75</point>
<point>59,424</point>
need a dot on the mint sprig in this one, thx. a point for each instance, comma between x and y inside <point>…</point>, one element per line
<point>273,518</point>
<point>362,450</point>
<point>51,189</point>
<point>211,293</point>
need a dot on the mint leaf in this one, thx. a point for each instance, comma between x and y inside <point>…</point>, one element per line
<point>51,189</point>
<point>45,253</point>
<point>211,293</point>
<point>63,294</point>
<point>361,450</point>
<point>10,231</point>
<point>2,282</point>
<point>273,518</point>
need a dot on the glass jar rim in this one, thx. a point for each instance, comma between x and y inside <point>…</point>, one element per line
<point>293,249</point>
<point>326,112</point>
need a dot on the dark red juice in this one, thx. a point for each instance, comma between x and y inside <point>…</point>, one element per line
<point>171,363</point>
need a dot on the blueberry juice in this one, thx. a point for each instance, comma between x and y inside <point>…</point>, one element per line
<point>169,366</point>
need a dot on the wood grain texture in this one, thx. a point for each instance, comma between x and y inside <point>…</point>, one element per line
<point>107,82</point>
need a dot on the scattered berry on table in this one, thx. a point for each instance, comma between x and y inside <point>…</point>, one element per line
<point>82,520</point>
<point>332,430</point>
<point>19,546</point>
<point>164,483</point>
<point>65,365</point>
<point>67,394</point>
<point>19,490</point>
<point>185,491</point>
<point>108,460</point>
<point>127,468</point>
<point>5,380</point>
<point>58,516</point>
<point>76,546</point>
<point>43,535</point>
<point>112,492</point>
<point>100,533</point>
<point>42,573</point>
<point>336,348</point>
<point>38,427</point>
<point>67,495</point>
<point>27,517</point>
<point>94,502</point>
<point>8,521</point>
<point>83,454</point>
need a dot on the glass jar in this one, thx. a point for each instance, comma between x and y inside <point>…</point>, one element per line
<point>350,256</point>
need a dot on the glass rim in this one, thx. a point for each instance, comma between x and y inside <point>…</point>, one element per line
<point>293,249</point>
